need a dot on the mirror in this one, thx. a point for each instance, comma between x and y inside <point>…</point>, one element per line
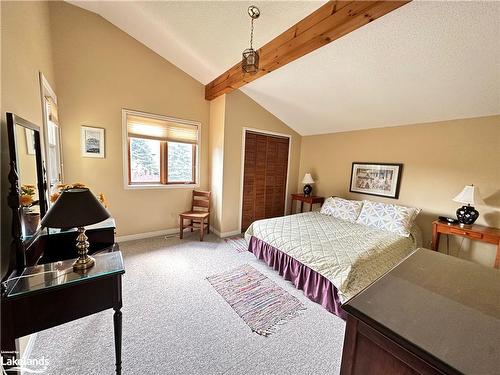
<point>27,180</point>
<point>27,193</point>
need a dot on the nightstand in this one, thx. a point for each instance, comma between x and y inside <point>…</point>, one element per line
<point>472,232</point>
<point>312,199</point>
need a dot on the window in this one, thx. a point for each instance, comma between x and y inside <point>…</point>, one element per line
<point>160,150</point>
<point>51,136</point>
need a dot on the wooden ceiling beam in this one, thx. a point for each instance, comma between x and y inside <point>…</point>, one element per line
<point>328,23</point>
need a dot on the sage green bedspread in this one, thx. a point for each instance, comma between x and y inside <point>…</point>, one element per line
<point>349,255</point>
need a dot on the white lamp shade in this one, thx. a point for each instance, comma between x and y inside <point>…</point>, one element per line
<point>469,195</point>
<point>307,179</point>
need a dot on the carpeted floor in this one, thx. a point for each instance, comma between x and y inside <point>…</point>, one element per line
<point>174,322</point>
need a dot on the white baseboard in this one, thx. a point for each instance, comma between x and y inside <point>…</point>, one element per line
<point>224,234</point>
<point>164,232</point>
<point>28,349</point>
<point>229,234</point>
<point>140,236</point>
<point>215,231</point>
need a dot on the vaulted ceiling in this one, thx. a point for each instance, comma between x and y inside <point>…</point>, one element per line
<point>426,61</point>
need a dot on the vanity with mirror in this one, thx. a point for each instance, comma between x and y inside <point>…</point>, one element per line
<point>28,200</point>
<point>41,290</point>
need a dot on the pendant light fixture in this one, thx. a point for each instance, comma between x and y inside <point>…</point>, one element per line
<point>250,61</point>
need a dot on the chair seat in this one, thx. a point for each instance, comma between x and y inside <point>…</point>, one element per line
<point>195,214</point>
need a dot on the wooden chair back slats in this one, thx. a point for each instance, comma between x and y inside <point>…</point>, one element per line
<point>201,201</point>
<point>201,193</point>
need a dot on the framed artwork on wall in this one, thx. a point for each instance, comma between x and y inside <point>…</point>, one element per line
<point>380,179</point>
<point>92,142</point>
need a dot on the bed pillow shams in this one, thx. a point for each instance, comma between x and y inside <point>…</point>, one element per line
<point>389,217</point>
<point>342,208</point>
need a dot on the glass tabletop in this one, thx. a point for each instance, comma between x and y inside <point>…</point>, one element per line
<point>60,274</point>
<point>448,307</point>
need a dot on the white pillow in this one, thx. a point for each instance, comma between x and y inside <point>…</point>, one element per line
<point>342,208</point>
<point>390,217</point>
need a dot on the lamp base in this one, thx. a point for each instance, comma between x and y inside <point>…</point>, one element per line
<point>467,215</point>
<point>307,190</point>
<point>84,261</point>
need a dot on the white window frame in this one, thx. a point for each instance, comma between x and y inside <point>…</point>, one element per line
<point>136,186</point>
<point>47,91</point>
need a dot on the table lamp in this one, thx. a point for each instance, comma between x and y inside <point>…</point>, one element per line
<point>76,208</point>
<point>307,180</point>
<point>469,196</point>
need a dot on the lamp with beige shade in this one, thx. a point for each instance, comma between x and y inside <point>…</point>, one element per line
<point>307,180</point>
<point>469,196</point>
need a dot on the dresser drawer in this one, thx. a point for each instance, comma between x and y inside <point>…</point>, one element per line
<point>465,232</point>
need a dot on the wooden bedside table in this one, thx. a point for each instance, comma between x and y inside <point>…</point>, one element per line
<point>472,232</point>
<point>313,199</point>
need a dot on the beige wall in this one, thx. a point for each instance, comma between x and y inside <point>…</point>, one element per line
<point>216,158</point>
<point>241,111</point>
<point>439,159</point>
<point>26,50</point>
<point>101,70</point>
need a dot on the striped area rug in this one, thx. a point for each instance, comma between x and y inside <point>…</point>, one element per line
<point>238,243</point>
<point>260,302</point>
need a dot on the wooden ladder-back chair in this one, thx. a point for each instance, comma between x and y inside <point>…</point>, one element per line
<point>200,211</point>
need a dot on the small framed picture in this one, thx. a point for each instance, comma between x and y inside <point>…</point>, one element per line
<point>92,142</point>
<point>380,179</point>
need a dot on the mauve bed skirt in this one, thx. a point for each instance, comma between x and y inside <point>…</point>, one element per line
<point>316,287</point>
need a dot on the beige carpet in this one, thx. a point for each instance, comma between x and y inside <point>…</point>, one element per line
<point>174,322</point>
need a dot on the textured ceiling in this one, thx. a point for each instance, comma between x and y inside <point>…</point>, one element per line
<point>203,38</point>
<point>426,61</point>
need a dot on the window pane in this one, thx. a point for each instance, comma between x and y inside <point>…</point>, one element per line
<point>52,130</point>
<point>53,155</point>
<point>144,160</point>
<point>180,162</point>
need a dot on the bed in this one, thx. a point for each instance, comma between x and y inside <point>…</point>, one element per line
<point>330,259</point>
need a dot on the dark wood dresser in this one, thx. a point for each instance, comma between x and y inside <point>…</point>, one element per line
<point>47,292</point>
<point>431,314</point>
<point>51,245</point>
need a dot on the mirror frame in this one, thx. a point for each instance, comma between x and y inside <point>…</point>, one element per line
<point>18,245</point>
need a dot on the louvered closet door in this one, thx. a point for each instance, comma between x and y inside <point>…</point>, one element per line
<point>264,178</point>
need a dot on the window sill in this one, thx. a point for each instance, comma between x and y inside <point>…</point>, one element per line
<point>161,186</point>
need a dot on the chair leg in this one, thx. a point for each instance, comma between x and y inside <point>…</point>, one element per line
<point>202,229</point>
<point>208,226</point>
<point>191,223</point>
<point>181,227</point>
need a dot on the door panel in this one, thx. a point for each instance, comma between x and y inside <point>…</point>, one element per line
<point>249,180</point>
<point>264,177</point>
<point>259,209</point>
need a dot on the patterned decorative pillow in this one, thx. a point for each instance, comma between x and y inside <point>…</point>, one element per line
<point>390,217</point>
<point>342,208</point>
